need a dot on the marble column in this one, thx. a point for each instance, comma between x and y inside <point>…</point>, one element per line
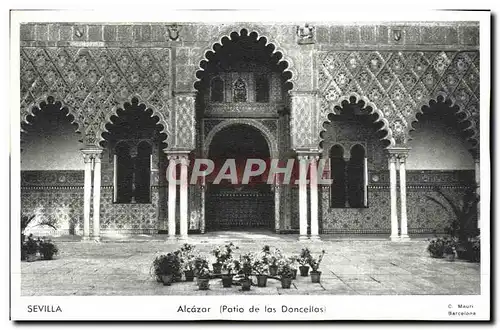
<point>96,228</point>
<point>183,205</point>
<point>172,194</point>
<point>87,193</point>
<point>394,191</point>
<point>303,164</point>
<point>402,190</point>
<point>477,176</point>
<point>277,206</point>
<point>314,197</point>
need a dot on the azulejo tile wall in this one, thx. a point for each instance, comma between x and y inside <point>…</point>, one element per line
<point>53,195</point>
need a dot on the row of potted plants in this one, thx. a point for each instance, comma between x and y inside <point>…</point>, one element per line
<point>270,262</point>
<point>37,248</point>
<point>450,247</point>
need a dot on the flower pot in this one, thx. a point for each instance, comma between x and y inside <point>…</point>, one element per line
<point>217,268</point>
<point>48,256</point>
<point>273,270</point>
<point>315,277</point>
<point>203,283</point>
<point>167,279</point>
<point>294,274</point>
<point>304,270</point>
<point>286,282</point>
<point>196,272</point>
<point>227,280</point>
<point>449,256</point>
<point>177,277</point>
<point>189,275</point>
<point>261,281</point>
<point>246,284</point>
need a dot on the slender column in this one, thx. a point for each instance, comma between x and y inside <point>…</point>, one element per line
<point>477,176</point>
<point>277,193</point>
<point>394,191</point>
<point>87,192</point>
<point>303,160</point>
<point>202,222</point>
<point>314,198</point>
<point>172,194</point>
<point>402,191</point>
<point>184,197</point>
<point>97,196</point>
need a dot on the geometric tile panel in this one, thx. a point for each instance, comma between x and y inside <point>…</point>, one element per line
<point>398,83</point>
<point>63,204</point>
<point>94,82</point>
<point>131,218</point>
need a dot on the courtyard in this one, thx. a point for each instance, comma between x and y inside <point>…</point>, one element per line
<point>352,266</point>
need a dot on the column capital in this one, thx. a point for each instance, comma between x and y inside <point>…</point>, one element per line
<point>91,153</point>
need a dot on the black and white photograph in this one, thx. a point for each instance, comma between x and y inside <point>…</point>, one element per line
<point>218,165</point>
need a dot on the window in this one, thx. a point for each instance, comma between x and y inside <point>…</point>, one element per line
<point>217,90</point>
<point>262,89</point>
<point>356,177</point>
<point>239,91</point>
<point>349,185</point>
<point>133,172</point>
<point>337,171</point>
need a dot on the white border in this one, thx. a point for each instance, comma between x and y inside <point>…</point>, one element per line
<point>338,307</point>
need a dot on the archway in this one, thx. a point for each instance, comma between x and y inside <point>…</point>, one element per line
<point>238,206</point>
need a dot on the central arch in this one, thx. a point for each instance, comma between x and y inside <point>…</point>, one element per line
<point>238,206</point>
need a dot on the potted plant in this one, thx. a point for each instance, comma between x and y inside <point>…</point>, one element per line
<point>271,257</point>
<point>463,225</point>
<point>315,263</point>
<point>187,260</point>
<point>48,249</point>
<point>475,255</point>
<point>32,247</point>
<point>436,247</point>
<point>198,263</point>
<point>261,268</point>
<point>292,261</point>
<point>204,277</point>
<point>449,251</point>
<point>229,268</point>
<point>222,253</point>
<point>285,272</point>
<point>165,267</point>
<point>303,260</point>
<point>246,262</point>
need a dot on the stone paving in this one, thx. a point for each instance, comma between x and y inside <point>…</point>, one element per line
<point>355,266</point>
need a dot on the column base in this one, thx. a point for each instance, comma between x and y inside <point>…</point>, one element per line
<point>404,238</point>
<point>315,238</point>
<point>395,238</point>
<point>171,239</point>
<point>303,238</point>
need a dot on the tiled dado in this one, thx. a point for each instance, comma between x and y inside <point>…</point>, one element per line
<point>424,178</point>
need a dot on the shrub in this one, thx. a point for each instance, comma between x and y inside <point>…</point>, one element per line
<point>315,263</point>
<point>222,253</point>
<point>48,249</point>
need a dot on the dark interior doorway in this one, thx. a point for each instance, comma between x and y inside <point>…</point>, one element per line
<point>230,206</point>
